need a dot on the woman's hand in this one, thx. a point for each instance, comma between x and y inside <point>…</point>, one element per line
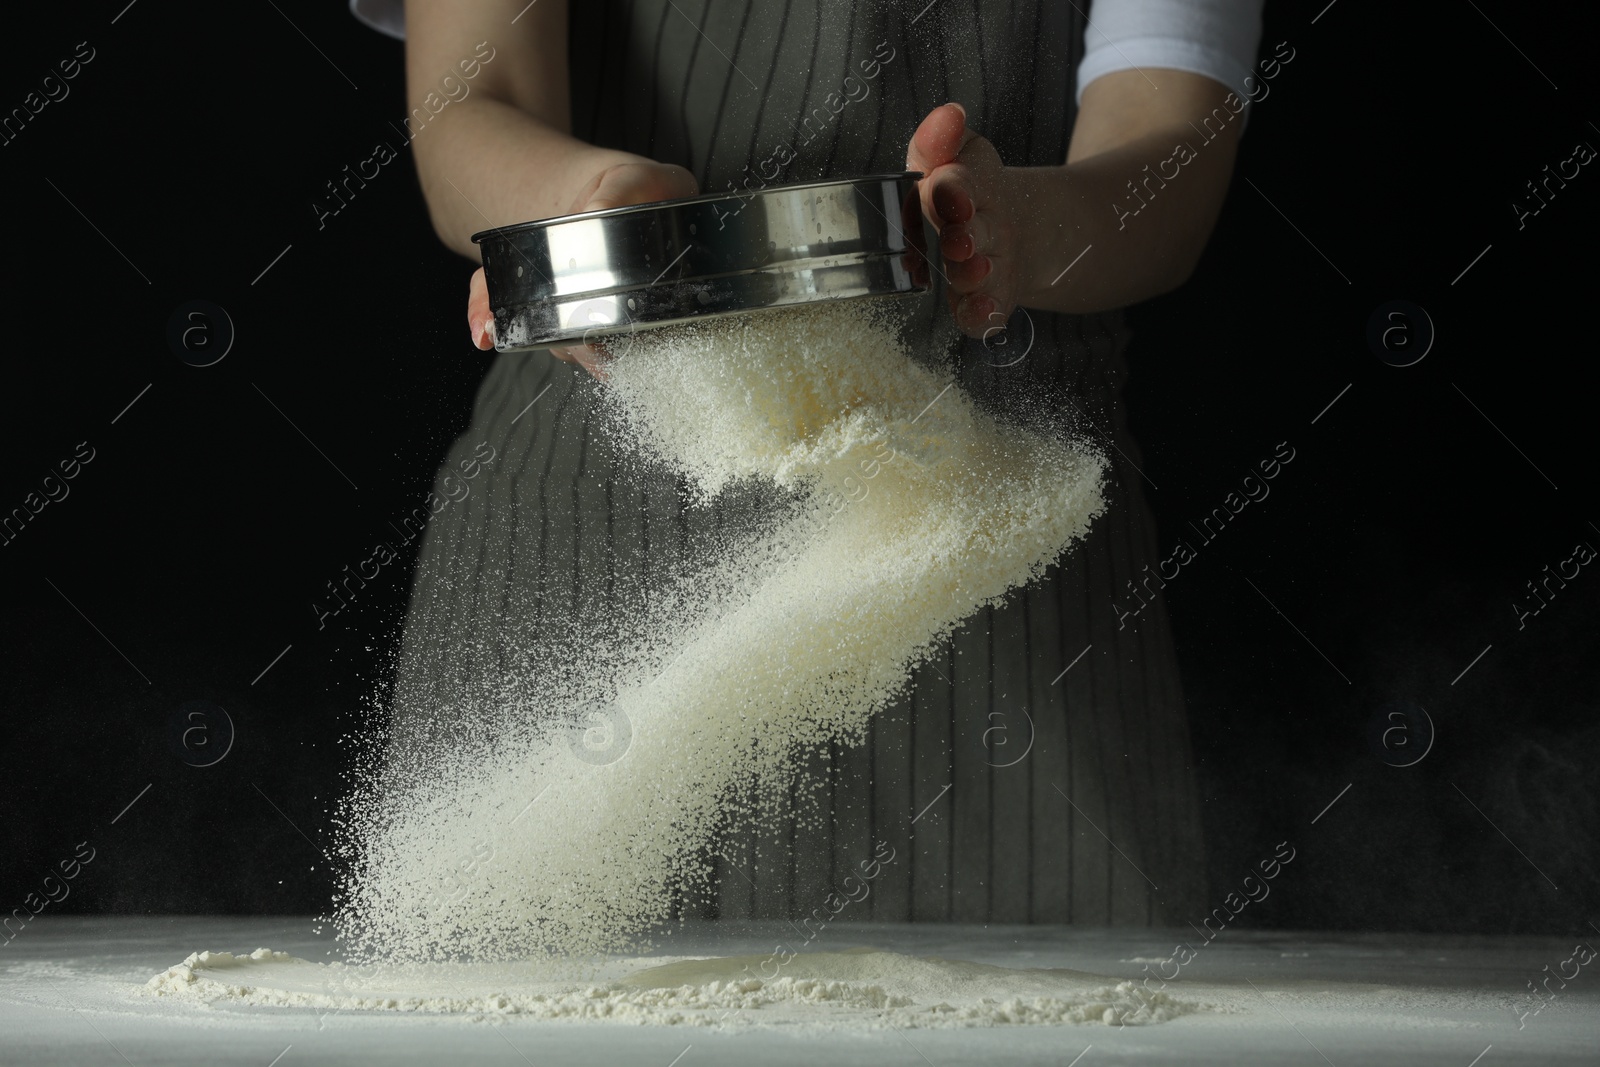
<point>1124,218</point>
<point>618,185</point>
<point>969,196</point>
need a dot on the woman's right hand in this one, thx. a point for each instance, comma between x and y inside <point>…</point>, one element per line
<point>618,185</point>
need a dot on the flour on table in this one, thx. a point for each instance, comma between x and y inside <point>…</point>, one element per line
<point>863,988</point>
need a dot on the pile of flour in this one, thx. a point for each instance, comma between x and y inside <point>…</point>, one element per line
<point>906,508</point>
<point>855,989</point>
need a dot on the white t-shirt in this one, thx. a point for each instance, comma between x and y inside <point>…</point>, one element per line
<point>1216,38</point>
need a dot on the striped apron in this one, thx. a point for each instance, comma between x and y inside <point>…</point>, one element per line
<point>1040,768</point>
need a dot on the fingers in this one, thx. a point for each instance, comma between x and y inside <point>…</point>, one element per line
<point>960,241</point>
<point>480,320</point>
<point>950,191</point>
<point>968,275</point>
<point>962,193</point>
<point>974,251</point>
<point>957,193</point>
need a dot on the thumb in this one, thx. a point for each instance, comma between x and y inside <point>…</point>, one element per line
<point>939,138</point>
<point>639,183</point>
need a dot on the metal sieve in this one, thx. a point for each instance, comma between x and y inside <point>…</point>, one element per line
<point>602,275</point>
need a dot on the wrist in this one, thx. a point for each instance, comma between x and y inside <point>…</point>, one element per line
<point>1045,231</point>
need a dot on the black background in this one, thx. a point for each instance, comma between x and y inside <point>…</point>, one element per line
<point>189,551</point>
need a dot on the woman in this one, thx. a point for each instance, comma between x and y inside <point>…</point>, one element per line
<point>1040,770</point>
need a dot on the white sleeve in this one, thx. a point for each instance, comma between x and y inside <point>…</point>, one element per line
<point>389,16</point>
<point>1216,38</point>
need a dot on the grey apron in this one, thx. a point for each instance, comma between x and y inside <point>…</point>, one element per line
<point>1098,823</point>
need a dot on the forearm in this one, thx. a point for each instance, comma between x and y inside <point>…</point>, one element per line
<point>503,153</point>
<point>1100,244</point>
<point>1141,189</point>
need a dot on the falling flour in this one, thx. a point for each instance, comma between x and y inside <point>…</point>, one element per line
<point>901,509</point>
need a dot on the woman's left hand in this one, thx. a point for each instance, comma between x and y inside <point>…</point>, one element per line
<point>967,195</point>
<point>1015,235</point>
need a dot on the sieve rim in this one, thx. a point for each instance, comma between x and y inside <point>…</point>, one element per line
<point>681,201</point>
